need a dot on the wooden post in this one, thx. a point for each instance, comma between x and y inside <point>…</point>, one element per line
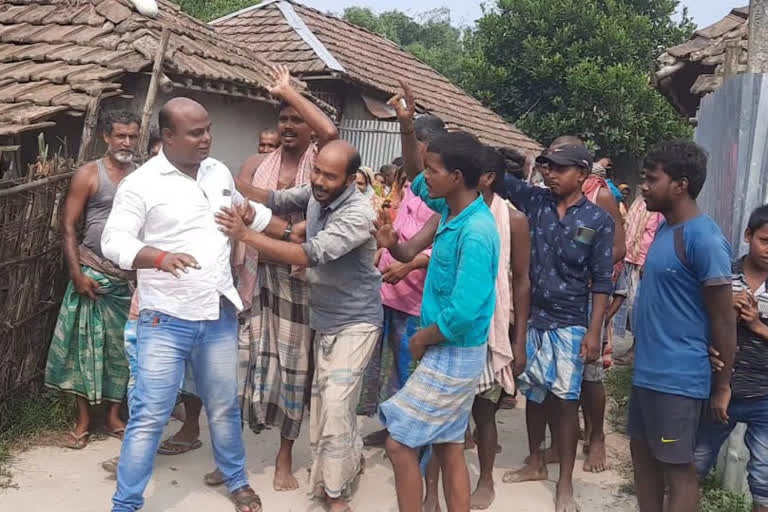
<point>758,37</point>
<point>154,81</point>
<point>732,54</point>
<point>89,125</point>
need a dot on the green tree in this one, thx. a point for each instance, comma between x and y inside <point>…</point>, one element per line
<point>430,36</point>
<point>208,10</point>
<point>580,67</point>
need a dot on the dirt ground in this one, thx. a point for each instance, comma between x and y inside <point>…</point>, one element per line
<point>52,478</point>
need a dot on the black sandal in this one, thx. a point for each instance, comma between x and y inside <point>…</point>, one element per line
<point>246,497</point>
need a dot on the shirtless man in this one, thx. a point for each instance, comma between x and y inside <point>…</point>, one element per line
<point>269,140</point>
<point>278,382</point>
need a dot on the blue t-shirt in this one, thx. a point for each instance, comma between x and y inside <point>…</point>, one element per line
<point>670,321</point>
<point>460,289</point>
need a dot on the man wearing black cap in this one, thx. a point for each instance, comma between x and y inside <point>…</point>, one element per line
<point>571,249</point>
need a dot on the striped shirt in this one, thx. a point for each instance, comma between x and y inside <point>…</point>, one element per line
<point>750,370</point>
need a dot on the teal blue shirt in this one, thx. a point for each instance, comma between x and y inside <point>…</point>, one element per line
<point>460,289</point>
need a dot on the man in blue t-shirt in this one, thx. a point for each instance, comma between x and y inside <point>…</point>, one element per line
<point>684,303</point>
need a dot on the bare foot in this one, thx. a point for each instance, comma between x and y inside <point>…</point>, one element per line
<point>550,457</point>
<point>284,479</point>
<point>527,473</point>
<point>483,496</point>
<point>565,501</point>
<point>337,505</point>
<point>595,462</point>
<point>432,504</point>
<point>186,434</point>
<point>114,425</point>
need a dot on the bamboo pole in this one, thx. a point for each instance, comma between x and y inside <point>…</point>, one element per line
<point>89,126</point>
<point>154,81</point>
<point>35,184</point>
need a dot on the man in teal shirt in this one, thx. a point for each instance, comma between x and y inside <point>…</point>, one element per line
<point>433,407</point>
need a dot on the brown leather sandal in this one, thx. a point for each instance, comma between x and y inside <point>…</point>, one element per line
<point>246,497</point>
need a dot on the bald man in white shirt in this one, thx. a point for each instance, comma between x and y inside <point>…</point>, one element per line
<point>162,224</point>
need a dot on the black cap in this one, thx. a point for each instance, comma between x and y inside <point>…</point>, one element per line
<point>568,155</point>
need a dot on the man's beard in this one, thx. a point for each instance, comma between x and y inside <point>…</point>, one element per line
<point>123,157</point>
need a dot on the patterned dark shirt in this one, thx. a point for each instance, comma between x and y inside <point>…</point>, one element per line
<point>567,254</point>
<point>750,370</point>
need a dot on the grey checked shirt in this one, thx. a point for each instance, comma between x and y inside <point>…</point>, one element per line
<point>344,284</point>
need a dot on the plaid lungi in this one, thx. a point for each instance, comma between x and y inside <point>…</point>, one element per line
<point>86,356</point>
<point>278,379</point>
<point>554,364</point>
<point>334,437</point>
<point>391,363</point>
<point>488,377</point>
<point>434,405</point>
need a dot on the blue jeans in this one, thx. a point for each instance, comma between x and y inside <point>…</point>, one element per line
<point>164,343</point>
<point>129,340</point>
<point>711,436</point>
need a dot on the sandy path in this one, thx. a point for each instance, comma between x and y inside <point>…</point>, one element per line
<point>51,478</point>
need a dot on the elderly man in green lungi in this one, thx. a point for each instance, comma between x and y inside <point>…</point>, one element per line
<point>86,357</point>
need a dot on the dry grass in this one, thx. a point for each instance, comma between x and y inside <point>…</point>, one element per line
<point>31,419</point>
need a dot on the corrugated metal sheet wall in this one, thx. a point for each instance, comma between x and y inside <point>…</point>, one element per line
<point>733,128</point>
<point>377,141</point>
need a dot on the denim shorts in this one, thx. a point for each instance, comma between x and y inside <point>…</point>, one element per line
<point>754,413</point>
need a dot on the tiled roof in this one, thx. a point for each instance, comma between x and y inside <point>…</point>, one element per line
<point>696,67</point>
<point>367,58</point>
<point>57,54</point>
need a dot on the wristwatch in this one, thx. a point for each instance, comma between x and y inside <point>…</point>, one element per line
<point>288,231</point>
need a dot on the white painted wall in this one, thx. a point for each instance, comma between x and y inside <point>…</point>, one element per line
<point>237,123</point>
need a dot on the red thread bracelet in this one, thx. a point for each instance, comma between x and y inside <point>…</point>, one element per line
<point>159,259</point>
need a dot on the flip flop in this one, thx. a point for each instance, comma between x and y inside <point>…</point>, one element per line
<point>117,433</point>
<point>76,442</point>
<point>110,466</point>
<point>214,478</point>
<point>172,447</point>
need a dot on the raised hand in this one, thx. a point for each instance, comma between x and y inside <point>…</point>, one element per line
<point>404,103</point>
<point>386,236</point>
<point>281,80</point>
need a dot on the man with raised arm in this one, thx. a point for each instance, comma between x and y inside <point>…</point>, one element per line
<point>276,295</point>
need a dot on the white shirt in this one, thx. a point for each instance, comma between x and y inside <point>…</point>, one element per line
<point>159,206</point>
